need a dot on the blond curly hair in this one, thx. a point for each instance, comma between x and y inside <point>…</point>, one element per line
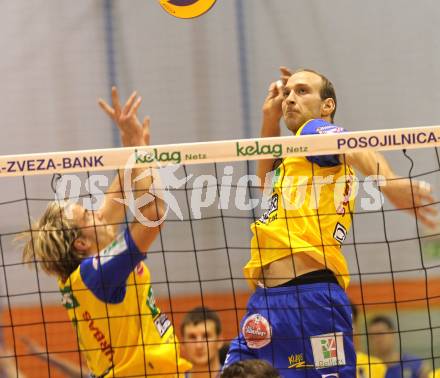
<point>51,242</point>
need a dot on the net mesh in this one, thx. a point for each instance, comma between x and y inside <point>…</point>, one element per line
<point>198,256</point>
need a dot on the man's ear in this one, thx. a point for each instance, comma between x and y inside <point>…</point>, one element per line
<point>327,107</point>
<point>81,244</point>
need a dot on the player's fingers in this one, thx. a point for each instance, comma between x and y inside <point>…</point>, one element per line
<point>285,79</point>
<point>285,74</point>
<point>285,70</point>
<point>146,124</point>
<point>425,196</point>
<point>133,110</point>
<point>272,87</point>
<point>424,199</point>
<point>428,210</point>
<point>270,95</point>
<point>425,219</point>
<point>272,91</point>
<point>129,103</point>
<point>107,108</point>
<point>116,103</point>
<point>146,130</point>
<point>279,85</point>
<point>423,186</point>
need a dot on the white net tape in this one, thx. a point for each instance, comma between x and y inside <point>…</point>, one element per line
<point>219,151</point>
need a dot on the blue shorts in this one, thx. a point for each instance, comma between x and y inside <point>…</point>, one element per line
<point>303,331</point>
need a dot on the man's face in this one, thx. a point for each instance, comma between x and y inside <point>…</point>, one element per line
<point>92,227</point>
<point>201,343</point>
<point>381,339</point>
<point>302,99</point>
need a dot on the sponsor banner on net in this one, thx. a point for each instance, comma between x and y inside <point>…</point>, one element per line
<point>219,151</point>
<point>267,148</point>
<point>50,165</point>
<point>165,156</point>
<point>391,139</point>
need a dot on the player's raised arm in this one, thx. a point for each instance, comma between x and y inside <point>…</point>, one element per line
<point>411,195</point>
<point>149,208</point>
<point>270,125</point>
<point>272,114</point>
<point>133,133</point>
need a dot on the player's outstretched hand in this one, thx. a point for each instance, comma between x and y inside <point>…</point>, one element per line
<point>413,196</point>
<point>285,74</point>
<point>133,132</point>
<point>275,96</point>
<point>272,103</point>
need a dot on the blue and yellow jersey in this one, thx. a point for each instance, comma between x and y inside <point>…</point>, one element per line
<point>369,366</point>
<point>112,307</point>
<point>309,211</point>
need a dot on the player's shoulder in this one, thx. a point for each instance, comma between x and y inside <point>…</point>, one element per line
<point>412,361</point>
<point>319,126</point>
<point>120,244</point>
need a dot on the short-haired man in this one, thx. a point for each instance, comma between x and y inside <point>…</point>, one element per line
<point>383,344</point>
<point>366,365</point>
<point>201,332</point>
<point>299,317</point>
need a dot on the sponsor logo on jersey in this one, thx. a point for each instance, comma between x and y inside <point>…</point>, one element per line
<point>273,207</point>
<point>276,176</point>
<point>328,350</point>
<point>332,375</point>
<point>343,206</point>
<point>99,336</point>
<point>340,233</point>
<point>151,302</point>
<point>68,300</point>
<point>116,247</point>
<point>257,331</point>
<point>296,361</point>
<point>329,129</point>
<point>162,324</point>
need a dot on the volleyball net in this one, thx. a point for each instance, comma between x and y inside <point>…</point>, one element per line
<point>212,195</point>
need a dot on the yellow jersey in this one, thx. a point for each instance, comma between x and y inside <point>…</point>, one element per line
<point>309,212</point>
<point>112,307</point>
<point>369,366</point>
<point>434,374</point>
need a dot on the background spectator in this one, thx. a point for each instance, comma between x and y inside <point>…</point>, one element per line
<point>383,344</point>
<point>202,340</point>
